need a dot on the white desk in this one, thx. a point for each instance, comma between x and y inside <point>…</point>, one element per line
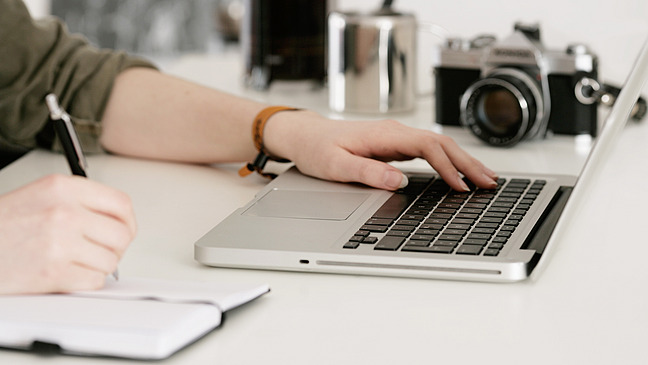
<point>588,306</point>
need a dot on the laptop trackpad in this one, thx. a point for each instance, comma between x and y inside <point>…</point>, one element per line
<point>301,204</point>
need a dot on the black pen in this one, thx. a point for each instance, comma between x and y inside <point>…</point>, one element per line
<point>69,140</point>
<point>67,135</point>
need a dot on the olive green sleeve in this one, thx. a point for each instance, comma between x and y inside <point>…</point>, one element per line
<point>40,56</point>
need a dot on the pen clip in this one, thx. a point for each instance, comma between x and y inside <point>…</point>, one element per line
<point>57,113</point>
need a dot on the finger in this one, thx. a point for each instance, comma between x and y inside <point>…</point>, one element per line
<point>106,200</point>
<point>94,256</point>
<point>474,170</point>
<point>107,231</point>
<point>78,277</point>
<point>352,168</point>
<point>436,156</point>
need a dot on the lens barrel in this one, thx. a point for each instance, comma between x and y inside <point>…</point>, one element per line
<point>503,108</point>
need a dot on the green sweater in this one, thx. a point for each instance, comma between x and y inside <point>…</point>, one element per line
<point>38,57</point>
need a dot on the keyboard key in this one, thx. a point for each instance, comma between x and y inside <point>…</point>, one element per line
<point>475,241</point>
<point>407,222</point>
<point>394,206</point>
<point>510,194</point>
<point>489,231</point>
<point>369,240</point>
<point>446,243</point>
<point>479,236</point>
<point>469,250</point>
<point>423,237</point>
<point>416,243</point>
<point>491,252</point>
<point>458,232</point>
<point>496,245</point>
<point>506,200</point>
<point>445,210</point>
<point>486,225</point>
<point>467,215</point>
<point>442,249</point>
<point>450,237</point>
<point>389,243</point>
<point>429,232</point>
<point>432,226</point>
<point>374,228</point>
<point>439,216</point>
<point>414,217</point>
<point>463,221</point>
<point>379,221</point>
<point>400,227</point>
<point>453,206</point>
<point>491,220</point>
<point>458,226</point>
<point>351,244</point>
<point>477,206</point>
<point>502,205</point>
<point>494,214</point>
<point>475,211</point>
<point>436,221</point>
<point>431,249</point>
<point>398,233</point>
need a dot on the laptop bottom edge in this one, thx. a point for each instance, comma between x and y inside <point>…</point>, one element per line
<point>368,266</point>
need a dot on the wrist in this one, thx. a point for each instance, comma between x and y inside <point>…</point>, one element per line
<point>282,137</point>
<point>260,140</point>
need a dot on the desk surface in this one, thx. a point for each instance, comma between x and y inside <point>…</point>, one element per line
<point>588,306</point>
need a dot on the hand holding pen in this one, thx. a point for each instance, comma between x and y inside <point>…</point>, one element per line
<point>63,233</point>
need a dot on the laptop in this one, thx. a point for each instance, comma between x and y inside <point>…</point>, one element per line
<point>426,230</point>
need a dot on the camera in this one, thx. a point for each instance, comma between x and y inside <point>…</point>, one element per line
<point>514,89</point>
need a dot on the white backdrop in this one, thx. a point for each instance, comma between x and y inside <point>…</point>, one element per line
<point>614,30</point>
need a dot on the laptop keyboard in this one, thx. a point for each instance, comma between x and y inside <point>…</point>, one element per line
<point>428,216</point>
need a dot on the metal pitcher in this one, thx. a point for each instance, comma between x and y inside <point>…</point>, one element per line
<point>372,61</point>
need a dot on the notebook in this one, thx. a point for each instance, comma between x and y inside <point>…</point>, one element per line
<point>136,318</point>
<point>300,223</point>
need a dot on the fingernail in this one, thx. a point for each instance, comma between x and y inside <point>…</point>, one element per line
<point>395,179</point>
<point>493,182</point>
<point>490,173</point>
<point>463,185</point>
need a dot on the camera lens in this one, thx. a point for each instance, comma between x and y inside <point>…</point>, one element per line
<point>503,108</point>
<point>500,110</point>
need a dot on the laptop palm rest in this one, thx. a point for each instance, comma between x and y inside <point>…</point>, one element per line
<point>307,204</point>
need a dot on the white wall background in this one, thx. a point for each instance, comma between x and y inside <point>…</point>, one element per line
<point>614,30</point>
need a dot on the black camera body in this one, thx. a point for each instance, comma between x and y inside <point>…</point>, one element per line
<point>515,89</point>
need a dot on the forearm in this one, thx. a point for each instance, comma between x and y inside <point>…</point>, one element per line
<point>153,115</point>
